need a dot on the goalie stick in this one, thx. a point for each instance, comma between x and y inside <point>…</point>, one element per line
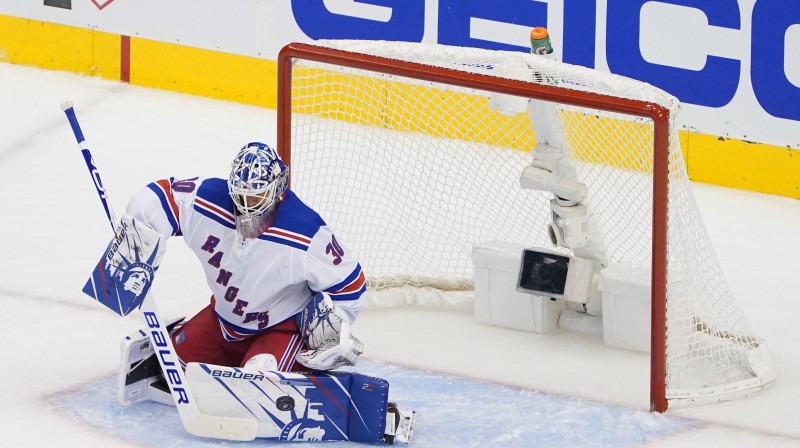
<point>193,419</point>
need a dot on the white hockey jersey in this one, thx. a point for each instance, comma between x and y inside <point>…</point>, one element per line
<point>256,282</point>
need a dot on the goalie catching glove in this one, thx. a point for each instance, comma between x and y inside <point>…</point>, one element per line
<point>328,336</point>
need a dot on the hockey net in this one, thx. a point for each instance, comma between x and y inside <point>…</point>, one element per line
<point>397,145</point>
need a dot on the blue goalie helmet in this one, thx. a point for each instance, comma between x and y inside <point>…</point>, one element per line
<point>258,179</point>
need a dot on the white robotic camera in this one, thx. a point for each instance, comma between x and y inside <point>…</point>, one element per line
<point>569,227</point>
<point>558,276</point>
<point>551,173</point>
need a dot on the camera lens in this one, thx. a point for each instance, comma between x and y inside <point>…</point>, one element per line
<point>546,272</point>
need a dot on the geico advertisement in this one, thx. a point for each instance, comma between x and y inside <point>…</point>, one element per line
<point>735,65</point>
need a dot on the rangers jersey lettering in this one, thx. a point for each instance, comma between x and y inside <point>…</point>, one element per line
<point>256,282</point>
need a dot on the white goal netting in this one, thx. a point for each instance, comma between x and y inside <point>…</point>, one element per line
<point>413,173</point>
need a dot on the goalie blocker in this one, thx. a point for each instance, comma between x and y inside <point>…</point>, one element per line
<point>312,406</point>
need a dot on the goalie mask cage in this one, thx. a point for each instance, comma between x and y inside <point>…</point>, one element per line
<point>397,146</point>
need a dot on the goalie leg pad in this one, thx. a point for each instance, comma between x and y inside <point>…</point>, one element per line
<point>295,406</point>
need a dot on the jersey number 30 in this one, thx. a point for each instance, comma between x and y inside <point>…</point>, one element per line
<point>335,250</point>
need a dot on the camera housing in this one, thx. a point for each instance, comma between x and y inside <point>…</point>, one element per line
<point>555,275</point>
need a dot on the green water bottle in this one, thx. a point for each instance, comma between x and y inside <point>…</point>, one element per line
<point>540,41</point>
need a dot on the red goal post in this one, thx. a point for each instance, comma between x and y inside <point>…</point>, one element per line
<point>337,54</point>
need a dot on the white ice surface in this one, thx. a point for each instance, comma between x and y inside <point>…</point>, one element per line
<point>55,341</point>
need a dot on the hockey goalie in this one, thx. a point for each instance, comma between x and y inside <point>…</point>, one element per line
<point>258,360</point>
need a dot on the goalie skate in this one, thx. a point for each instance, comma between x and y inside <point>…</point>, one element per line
<point>140,375</point>
<point>399,425</point>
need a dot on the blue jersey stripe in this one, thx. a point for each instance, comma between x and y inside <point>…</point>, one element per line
<point>214,217</point>
<point>350,279</point>
<point>349,296</point>
<point>283,241</point>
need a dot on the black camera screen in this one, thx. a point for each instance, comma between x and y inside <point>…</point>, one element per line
<point>543,273</point>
